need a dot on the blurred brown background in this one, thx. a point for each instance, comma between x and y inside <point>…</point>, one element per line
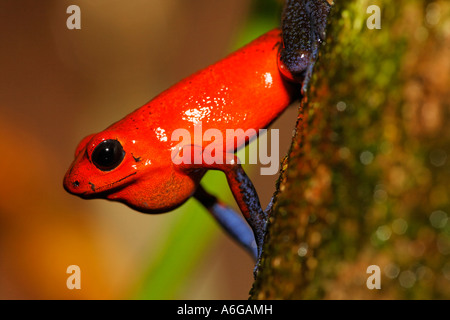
<point>57,86</point>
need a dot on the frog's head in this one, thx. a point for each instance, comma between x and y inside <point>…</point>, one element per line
<point>113,166</point>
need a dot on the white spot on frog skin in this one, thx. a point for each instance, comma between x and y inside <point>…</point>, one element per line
<point>161,134</point>
<point>147,162</point>
<point>134,141</point>
<point>268,80</point>
<point>196,115</point>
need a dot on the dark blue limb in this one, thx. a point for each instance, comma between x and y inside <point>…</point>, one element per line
<point>241,187</point>
<point>230,221</point>
<point>303,26</point>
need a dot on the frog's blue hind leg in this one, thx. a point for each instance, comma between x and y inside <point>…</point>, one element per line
<point>303,25</point>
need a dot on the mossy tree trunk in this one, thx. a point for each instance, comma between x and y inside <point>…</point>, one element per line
<point>367,179</point>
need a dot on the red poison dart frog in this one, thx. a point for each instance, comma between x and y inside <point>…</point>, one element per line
<point>138,162</point>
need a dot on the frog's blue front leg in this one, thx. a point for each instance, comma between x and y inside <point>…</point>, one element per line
<point>230,220</point>
<point>241,187</point>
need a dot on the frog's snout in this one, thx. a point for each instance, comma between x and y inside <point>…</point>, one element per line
<point>73,185</point>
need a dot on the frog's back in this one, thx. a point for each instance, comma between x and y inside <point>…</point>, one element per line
<point>243,91</point>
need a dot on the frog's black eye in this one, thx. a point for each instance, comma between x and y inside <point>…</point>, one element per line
<point>108,155</point>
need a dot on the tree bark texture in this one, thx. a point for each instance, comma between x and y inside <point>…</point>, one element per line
<point>367,179</point>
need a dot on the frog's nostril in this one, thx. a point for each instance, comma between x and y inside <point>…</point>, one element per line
<point>76,184</point>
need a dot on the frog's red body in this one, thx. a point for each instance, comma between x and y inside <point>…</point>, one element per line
<point>135,160</point>
<point>243,91</point>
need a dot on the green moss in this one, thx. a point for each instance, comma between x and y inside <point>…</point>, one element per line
<point>359,174</point>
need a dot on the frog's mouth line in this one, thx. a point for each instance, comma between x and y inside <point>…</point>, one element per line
<point>107,187</point>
